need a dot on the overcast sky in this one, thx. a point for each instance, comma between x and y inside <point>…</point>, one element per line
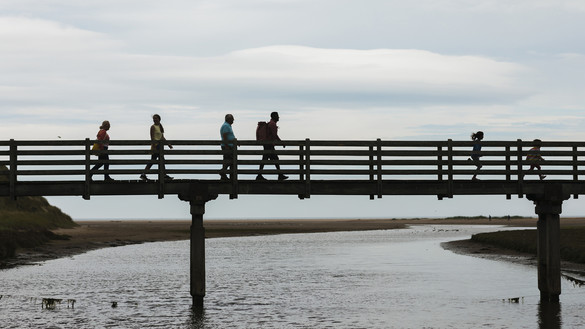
<point>334,69</point>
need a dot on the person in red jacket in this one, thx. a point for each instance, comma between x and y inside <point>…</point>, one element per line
<point>271,155</point>
<point>102,135</point>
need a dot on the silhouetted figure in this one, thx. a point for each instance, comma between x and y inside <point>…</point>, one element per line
<point>476,152</point>
<point>272,135</point>
<point>227,144</point>
<point>535,158</point>
<point>102,135</point>
<point>157,132</point>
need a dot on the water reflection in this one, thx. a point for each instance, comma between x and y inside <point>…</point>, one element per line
<point>549,315</point>
<point>378,279</point>
<point>197,318</point>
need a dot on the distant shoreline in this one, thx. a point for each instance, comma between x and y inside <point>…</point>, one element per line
<point>95,234</point>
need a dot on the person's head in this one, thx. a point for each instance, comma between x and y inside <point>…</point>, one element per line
<point>537,142</point>
<point>274,116</point>
<point>105,125</point>
<point>156,118</point>
<point>477,136</point>
<point>229,118</point>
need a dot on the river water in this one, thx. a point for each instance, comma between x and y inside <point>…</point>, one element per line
<point>373,279</point>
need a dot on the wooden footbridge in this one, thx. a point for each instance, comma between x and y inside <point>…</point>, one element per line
<point>370,168</point>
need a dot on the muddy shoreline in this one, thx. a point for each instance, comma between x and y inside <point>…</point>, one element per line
<point>91,235</point>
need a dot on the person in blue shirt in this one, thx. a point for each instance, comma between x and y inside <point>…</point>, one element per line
<point>227,144</point>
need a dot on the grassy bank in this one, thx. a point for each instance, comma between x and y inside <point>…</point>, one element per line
<point>572,242</point>
<point>25,223</point>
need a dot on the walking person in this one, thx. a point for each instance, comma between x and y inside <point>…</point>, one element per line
<point>102,135</point>
<point>476,152</point>
<point>227,144</point>
<point>157,133</point>
<point>534,157</point>
<point>272,135</point>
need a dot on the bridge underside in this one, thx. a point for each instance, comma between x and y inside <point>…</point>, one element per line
<point>299,188</point>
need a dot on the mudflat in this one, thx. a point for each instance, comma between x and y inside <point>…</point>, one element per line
<point>90,235</point>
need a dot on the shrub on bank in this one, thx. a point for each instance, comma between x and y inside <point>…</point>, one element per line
<point>572,242</point>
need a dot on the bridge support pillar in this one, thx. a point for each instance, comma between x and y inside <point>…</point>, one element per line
<point>197,253</point>
<point>549,208</point>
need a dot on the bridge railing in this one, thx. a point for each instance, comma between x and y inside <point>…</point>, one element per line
<point>302,160</point>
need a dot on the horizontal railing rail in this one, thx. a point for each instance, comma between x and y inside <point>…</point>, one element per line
<point>302,160</point>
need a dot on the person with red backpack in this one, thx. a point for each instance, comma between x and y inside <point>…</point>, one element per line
<point>269,132</point>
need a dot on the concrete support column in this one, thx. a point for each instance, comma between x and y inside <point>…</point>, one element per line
<point>549,249</point>
<point>197,252</point>
<point>548,208</point>
<point>197,196</point>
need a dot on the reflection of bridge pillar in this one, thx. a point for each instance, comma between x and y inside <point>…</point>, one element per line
<point>548,208</point>
<point>197,269</point>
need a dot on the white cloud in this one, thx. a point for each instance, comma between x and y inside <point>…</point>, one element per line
<point>86,77</point>
<point>67,64</point>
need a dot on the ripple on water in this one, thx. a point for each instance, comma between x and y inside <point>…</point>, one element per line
<point>375,279</point>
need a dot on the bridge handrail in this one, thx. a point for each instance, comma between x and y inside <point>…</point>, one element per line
<point>307,160</point>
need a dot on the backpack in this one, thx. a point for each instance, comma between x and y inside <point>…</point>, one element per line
<point>262,131</point>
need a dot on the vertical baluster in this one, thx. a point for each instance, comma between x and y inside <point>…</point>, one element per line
<point>379,160</point>
<point>234,171</point>
<point>371,157</point>
<point>307,168</point>
<point>508,168</point>
<point>13,169</point>
<point>86,192</point>
<point>520,173</point>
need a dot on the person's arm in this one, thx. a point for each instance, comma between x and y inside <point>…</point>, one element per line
<point>162,137</point>
<point>224,138</point>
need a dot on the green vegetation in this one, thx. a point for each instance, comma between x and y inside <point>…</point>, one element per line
<point>27,221</point>
<point>572,242</point>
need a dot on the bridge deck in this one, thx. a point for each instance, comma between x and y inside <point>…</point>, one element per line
<point>292,187</point>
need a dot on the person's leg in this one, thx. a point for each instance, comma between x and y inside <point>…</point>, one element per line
<point>265,157</point>
<point>106,158</point>
<point>153,158</point>
<point>274,157</point>
<point>97,166</point>
<point>227,162</point>
<point>478,166</point>
<point>541,176</point>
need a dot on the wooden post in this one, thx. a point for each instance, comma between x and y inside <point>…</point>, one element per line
<point>234,170</point>
<point>450,168</point>
<point>307,168</point>
<point>161,169</point>
<point>13,178</point>
<point>379,166</point>
<point>549,208</point>
<point>575,169</point>
<point>86,190</point>
<point>371,158</point>
<point>508,168</point>
<point>440,168</point>
<point>520,174</point>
